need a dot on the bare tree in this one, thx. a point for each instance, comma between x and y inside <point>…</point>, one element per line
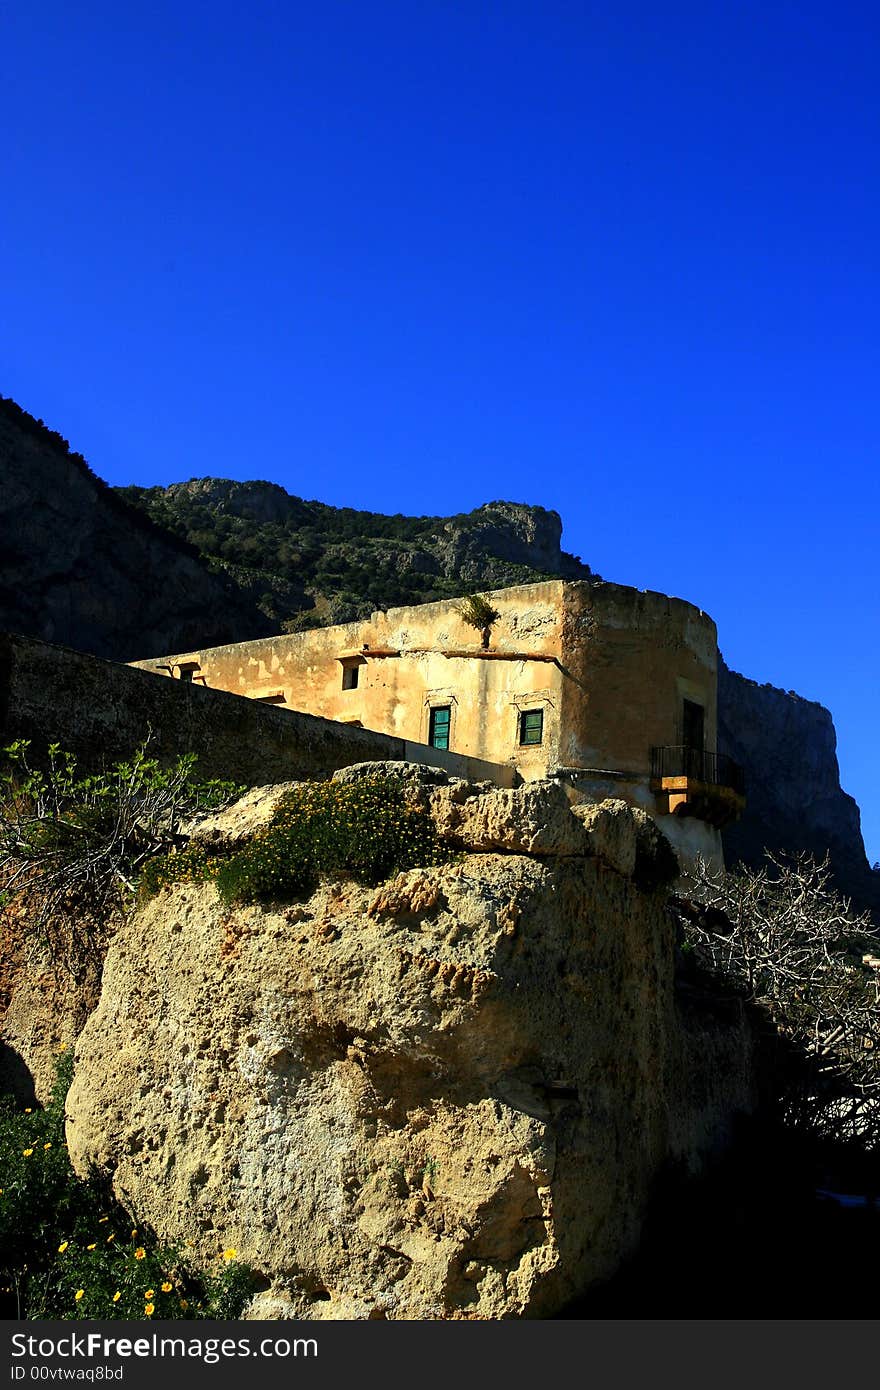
<point>783,939</point>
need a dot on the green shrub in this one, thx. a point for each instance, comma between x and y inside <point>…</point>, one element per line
<point>193,864</point>
<point>369,829</point>
<point>69,1250</point>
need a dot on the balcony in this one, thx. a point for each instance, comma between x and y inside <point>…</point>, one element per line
<point>692,782</point>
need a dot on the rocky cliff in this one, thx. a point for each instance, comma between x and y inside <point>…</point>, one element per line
<point>307,563</point>
<point>445,1097</point>
<point>80,567</point>
<point>788,747</point>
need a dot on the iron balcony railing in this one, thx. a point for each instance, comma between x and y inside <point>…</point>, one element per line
<point>717,769</point>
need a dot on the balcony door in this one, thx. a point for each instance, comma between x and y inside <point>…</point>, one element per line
<point>693,733</point>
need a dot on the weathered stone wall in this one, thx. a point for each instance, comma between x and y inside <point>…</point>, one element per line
<point>408,660</point>
<point>634,656</point>
<point>100,710</point>
<point>610,666</point>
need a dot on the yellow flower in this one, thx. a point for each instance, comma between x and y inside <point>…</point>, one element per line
<point>63,1246</point>
<point>166,1287</point>
<point>27,1152</point>
<point>117,1296</point>
<point>102,1219</point>
<point>184,1304</point>
<point>133,1234</point>
<point>230,1254</point>
<point>140,1253</point>
<point>149,1293</point>
<point>47,1146</point>
<point>112,1236</point>
<point>149,1310</point>
<point>28,1111</point>
<point>78,1295</point>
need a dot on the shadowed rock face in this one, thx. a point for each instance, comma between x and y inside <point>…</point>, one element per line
<point>445,1097</point>
<point>505,533</point>
<point>80,568</point>
<point>794,800</point>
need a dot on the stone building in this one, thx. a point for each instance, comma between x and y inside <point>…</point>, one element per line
<point>608,688</point>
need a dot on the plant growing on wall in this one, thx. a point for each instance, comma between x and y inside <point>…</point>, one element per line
<point>478,612</point>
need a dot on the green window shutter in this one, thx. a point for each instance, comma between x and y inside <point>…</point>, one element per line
<point>438,730</point>
<point>531,726</point>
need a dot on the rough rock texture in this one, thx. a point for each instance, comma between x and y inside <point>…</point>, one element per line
<point>50,980</point>
<point>445,1097</point>
<point>506,533</point>
<point>81,568</point>
<point>794,799</point>
<point>534,819</point>
<point>613,833</point>
<point>41,1015</point>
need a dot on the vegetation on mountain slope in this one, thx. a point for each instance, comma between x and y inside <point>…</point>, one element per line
<point>308,564</point>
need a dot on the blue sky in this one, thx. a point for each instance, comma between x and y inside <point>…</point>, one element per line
<point>619,259</point>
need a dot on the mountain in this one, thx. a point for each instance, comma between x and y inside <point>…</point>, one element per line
<point>132,572</point>
<point>307,564</point>
<point>81,567</point>
<point>788,746</point>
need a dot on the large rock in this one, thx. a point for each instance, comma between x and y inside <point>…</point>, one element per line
<point>231,828</point>
<point>446,1097</point>
<point>534,819</point>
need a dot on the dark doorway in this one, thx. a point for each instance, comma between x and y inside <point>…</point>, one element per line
<point>693,731</point>
<point>693,725</point>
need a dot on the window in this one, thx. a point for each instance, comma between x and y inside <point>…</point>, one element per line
<point>351,671</point>
<point>531,726</point>
<point>438,728</point>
